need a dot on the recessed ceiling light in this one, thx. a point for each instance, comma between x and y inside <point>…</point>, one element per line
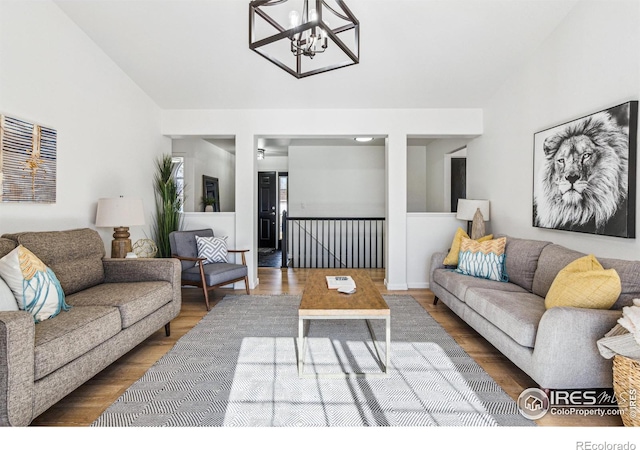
<point>364,139</point>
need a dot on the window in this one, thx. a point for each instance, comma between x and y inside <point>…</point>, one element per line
<point>178,175</point>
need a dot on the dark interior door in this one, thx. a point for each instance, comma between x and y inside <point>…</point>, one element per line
<point>458,181</point>
<point>267,204</point>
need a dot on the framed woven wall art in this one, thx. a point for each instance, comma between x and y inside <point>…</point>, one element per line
<point>585,173</point>
<point>27,161</point>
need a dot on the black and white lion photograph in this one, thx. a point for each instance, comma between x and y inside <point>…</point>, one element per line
<point>584,173</point>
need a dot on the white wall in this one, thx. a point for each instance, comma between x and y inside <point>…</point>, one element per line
<point>336,181</point>
<point>417,178</point>
<point>204,158</point>
<point>427,233</point>
<point>108,129</point>
<point>273,164</point>
<point>589,63</point>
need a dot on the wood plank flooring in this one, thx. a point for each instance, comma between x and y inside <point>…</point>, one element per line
<point>84,405</point>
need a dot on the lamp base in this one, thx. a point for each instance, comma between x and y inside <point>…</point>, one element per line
<point>121,244</point>
<point>477,227</point>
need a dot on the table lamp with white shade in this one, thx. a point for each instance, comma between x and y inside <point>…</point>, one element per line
<point>476,213</point>
<point>120,213</point>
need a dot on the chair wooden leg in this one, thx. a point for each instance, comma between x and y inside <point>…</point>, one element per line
<point>206,297</point>
<point>167,329</point>
<point>203,281</point>
<point>246,285</point>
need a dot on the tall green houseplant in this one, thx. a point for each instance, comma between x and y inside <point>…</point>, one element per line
<point>168,216</point>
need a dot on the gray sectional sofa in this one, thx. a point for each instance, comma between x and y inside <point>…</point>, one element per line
<point>556,347</point>
<point>115,305</point>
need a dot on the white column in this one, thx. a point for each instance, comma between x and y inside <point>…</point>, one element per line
<point>396,206</point>
<point>245,205</point>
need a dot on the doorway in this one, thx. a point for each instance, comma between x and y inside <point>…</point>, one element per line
<point>268,229</point>
<point>458,181</point>
<point>267,207</point>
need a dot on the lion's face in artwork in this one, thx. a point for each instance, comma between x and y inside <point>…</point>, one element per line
<point>585,173</point>
<point>575,162</point>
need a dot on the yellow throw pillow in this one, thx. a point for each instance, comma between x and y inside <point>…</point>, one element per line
<point>452,257</point>
<point>584,283</point>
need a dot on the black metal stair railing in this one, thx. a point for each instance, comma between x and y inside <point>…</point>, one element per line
<point>332,242</point>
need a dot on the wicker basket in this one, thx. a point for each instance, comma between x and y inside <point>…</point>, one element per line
<point>626,387</point>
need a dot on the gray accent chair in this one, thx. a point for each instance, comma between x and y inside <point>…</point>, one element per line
<point>206,276</point>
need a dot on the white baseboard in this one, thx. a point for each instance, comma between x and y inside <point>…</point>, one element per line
<point>396,287</point>
<point>418,285</point>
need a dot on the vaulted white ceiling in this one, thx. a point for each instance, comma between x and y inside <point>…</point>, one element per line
<point>194,54</point>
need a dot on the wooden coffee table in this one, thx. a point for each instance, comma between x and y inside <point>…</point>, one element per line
<point>321,303</point>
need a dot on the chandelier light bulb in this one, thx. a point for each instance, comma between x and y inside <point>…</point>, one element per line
<point>294,19</point>
<point>313,15</point>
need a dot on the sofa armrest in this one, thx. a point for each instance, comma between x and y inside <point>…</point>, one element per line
<point>437,260</point>
<point>127,270</point>
<point>131,270</point>
<point>17,360</point>
<point>569,335</point>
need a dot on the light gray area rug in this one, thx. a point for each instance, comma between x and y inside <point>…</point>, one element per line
<point>238,368</point>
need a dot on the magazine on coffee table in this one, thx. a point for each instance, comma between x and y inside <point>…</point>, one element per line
<point>340,281</point>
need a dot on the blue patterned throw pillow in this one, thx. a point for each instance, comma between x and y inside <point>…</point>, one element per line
<point>483,259</point>
<point>34,285</point>
<point>212,249</point>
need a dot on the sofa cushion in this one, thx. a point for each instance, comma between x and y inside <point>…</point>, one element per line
<point>629,272</point>
<point>458,284</point>
<point>483,259</point>
<point>68,336</point>
<point>517,314</point>
<point>75,256</point>
<point>134,301</point>
<point>6,245</point>
<point>584,283</point>
<point>553,258</point>
<point>521,260</point>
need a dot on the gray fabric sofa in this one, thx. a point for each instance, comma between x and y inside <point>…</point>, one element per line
<point>556,347</point>
<point>115,305</point>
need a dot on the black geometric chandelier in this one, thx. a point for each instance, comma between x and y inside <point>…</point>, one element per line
<point>304,37</point>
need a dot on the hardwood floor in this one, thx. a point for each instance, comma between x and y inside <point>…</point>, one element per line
<point>84,405</point>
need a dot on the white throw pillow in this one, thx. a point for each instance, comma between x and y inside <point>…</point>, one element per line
<point>212,249</point>
<point>7,300</point>
<point>34,285</point>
